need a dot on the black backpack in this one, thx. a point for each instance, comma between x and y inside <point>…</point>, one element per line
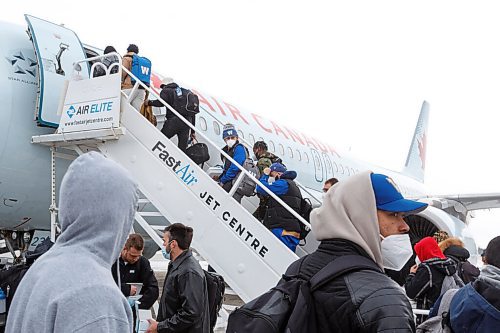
<point>215,288</point>
<point>305,212</point>
<point>187,103</point>
<point>289,307</point>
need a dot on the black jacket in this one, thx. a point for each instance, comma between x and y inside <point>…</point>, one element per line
<point>139,272</point>
<point>361,301</point>
<point>424,285</point>
<point>277,216</point>
<point>167,93</point>
<point>184,301</point>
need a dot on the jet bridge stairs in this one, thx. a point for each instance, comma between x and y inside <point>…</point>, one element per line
<point>249,257</point>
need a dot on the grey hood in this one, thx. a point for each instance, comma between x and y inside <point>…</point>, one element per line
<point>98,200</point>
<point>349,212</point>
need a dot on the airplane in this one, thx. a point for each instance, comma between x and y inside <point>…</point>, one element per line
<point>36,62</point>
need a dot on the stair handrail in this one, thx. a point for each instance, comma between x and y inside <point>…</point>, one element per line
<point>248,145</point>
<point>223,153</point>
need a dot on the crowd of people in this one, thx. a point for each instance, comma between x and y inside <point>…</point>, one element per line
<point>90,279</point>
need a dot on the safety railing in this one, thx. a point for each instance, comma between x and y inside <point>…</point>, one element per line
<point>77,67</point>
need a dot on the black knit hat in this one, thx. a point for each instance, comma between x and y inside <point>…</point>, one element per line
<point>493,252</point>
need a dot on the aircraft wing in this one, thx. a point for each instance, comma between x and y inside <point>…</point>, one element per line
<point>469,201</point>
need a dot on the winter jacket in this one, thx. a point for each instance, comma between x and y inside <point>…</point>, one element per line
<point>167,93</point>
<point>107,61</point>
<point>361,301</point>
<point>276,216</point>
<point>238,153</point>
<point>475,308</point>
<point>139,272</point>
<point>127,63</point>
<point>466,271</point>
<point>70,288</point>
<point>184,301</point>
<point>265,161</point>
<point>424,285</point>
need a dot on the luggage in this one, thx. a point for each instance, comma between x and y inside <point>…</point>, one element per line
<point>186,102</point>
<point>289,307</point>
<point>198,152</point>
<point>147,111</point>
<point>215,289</point>
<point>141,68</point>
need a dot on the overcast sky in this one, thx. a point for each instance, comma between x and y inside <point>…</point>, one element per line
<point>353,73</point>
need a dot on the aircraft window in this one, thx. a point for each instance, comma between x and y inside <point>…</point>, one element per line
<point>272,148</point>
<point>336,167</point>
<point>216,128</point>
<point>282,149</point>
<point>347,171</point>
<point>252,138</point>
<point>298,155</point>
<point>203,124</point>
<point>241,135</point>
<point>290,152</point>
<point>261,139</point>
<point>353,172</point>
<point>306,157</point>
<point>341,168</point>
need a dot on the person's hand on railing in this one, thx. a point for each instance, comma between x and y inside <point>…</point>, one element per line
<point>193,135</point>
<point>216,177</point>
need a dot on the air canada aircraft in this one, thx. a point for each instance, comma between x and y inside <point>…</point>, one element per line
<point>37,60</point>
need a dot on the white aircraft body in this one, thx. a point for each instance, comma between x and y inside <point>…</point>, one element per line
<point>33,68</point>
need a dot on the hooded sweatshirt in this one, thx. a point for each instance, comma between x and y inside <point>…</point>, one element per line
<point>70,288</point>
<point>425,284</point>
<point>349,212</point>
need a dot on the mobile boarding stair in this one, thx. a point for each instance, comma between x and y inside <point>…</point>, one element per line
<point>249,257</point>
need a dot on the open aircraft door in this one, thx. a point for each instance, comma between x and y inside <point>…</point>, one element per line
<point>56,49</point>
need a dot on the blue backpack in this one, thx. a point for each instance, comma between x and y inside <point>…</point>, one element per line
<point>141,68</point>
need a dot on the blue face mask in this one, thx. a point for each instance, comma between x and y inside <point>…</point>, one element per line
<point>164,252</point>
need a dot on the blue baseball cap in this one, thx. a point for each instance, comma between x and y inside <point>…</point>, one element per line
<point>389,198</point>
<point>278,167</point>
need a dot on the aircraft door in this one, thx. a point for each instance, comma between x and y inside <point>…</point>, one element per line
<point>56,48</point>
<point>318,165</point>
<point>328,166</point>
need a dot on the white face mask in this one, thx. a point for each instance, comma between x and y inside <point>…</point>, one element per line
<point>230,143</point>
<point>396,251</point>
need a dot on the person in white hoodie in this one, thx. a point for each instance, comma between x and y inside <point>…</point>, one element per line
<point>70,288</point>
<point>361,219</point>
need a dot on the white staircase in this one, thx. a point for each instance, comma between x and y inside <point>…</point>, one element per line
<point>249,257</point>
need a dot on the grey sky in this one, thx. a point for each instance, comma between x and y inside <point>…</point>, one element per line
<point>353,73</point>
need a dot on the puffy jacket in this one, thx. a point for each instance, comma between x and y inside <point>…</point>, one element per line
<point>238,153</point>
<point>361,301</point>
<point>184,301</point>
<point>425,284</point>
<point>276,216</point>
<point>141,272</point>
<point>266,159</point>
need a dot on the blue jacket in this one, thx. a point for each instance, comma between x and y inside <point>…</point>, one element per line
<point>239,156</point>
<point>470,311</point>
<point>279,187</point>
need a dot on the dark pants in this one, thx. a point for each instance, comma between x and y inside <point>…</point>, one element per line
<point>174,126</point>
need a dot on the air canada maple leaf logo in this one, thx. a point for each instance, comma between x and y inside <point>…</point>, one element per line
<point>22,64</point>
<point>422,144</point>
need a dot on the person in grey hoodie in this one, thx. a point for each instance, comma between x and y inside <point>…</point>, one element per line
<point>70,288</point>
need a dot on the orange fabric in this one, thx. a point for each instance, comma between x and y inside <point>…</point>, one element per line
<point>427,249</point>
